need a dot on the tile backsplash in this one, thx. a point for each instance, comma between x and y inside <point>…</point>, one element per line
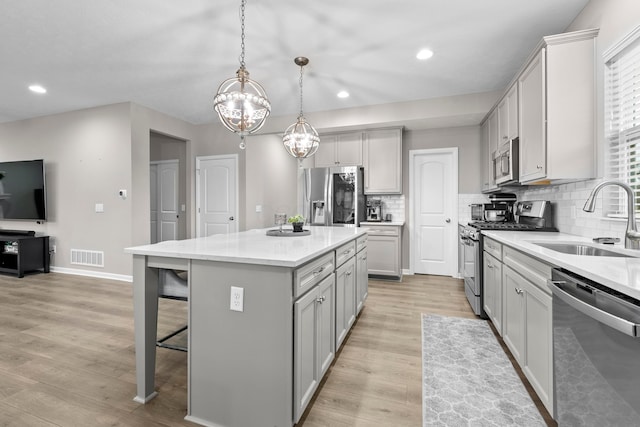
<point>567,200</point>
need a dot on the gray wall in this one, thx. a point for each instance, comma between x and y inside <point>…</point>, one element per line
<point>87,160</point>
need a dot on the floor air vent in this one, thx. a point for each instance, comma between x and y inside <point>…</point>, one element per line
<point>84,257</point>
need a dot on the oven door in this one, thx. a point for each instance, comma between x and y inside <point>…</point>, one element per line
<point>471,274</point>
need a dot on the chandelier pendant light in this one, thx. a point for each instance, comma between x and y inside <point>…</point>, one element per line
<point>300,139</point>
<point>242,103</point>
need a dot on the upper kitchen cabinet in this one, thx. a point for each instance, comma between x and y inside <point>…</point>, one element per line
<point>489,146</point>
<point>557,110</point>
<point>508,116</point>
<point>382,149</point>
<point>341,149</point>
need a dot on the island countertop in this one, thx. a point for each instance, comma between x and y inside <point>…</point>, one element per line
<point>254,246</point>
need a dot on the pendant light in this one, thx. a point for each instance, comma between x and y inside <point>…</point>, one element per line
<point>300,139</point>
<point>242,103</point>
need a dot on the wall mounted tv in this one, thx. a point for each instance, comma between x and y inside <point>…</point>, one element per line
<point>22,190</point>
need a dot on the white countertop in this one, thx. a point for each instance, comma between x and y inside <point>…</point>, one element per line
<point>618,273</point>
<point>376,223</point>
<point>254,246</point>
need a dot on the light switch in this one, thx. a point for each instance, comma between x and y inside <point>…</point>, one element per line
<point>258,208</point>
<point>99,207</point>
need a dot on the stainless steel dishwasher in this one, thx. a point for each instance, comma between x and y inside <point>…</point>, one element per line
<point>596,353</point>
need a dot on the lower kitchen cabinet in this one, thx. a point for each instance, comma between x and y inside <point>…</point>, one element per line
<point>385,248</point>
<point>362,279</point>
<point>527,322</point>
<point>345,299</point>
<point>314,341</point>
<point>492,282</point>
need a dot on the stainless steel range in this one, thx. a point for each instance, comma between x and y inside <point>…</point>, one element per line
<point>533,215</point>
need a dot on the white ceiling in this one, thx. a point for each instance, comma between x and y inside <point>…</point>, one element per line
<point>171,55</point>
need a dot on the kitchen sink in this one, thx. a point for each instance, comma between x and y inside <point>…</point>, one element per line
<point>580,249</point>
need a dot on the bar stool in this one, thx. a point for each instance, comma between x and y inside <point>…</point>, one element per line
<point>173,285</point>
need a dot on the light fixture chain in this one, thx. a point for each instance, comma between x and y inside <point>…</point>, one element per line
<point>242,7</point>
<point>301,70</point>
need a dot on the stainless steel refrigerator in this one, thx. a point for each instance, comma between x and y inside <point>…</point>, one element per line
<point>333,196</point>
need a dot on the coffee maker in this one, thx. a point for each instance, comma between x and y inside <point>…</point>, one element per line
<point>374,210</point>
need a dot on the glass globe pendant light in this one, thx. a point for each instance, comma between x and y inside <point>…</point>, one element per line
<point>242,103</point>
<point>300,139</point>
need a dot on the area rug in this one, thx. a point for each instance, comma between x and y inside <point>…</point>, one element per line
<point>467,379</point>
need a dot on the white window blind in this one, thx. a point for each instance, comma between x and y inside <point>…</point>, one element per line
<point>622,131</point>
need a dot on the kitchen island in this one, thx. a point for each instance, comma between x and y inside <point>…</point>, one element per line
<point>258,366</point>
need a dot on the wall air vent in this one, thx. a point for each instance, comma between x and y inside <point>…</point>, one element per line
<point>85,257</point>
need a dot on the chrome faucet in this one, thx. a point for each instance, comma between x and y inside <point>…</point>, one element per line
<point>631,237</point>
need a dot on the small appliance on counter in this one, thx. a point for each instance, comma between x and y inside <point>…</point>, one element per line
<point>500,208</point>
<point>477,211</point>
<point>374,210</point>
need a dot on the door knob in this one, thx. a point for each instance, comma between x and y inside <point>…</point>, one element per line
<point>231,218</point>
<point>448,220</point>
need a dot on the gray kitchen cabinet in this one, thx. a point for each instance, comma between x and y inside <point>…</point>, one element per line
<point>532,120</point>
<point>382,150</point>
<point>492,281</point>
<point>384,250</point>
<point>508,116</point>
<point>345,300</point>
<point>314,317</point>
<point>527,322</point>
<point>362,279</point>
<point>340,149</point>
<point>489,146</point>
<point>557,109</point>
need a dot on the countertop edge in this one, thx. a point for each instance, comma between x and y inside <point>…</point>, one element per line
<point>618,273</point>
<point>166,250</point>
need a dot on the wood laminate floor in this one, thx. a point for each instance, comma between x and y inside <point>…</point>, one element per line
<point>67,356</point>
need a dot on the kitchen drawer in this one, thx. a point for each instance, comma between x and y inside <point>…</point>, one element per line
<point>383,230</point>
<point>344,252</point>
<point>492,247</point>
<point>307,276</point>
<point>537,272</point>
<point>361,243</point>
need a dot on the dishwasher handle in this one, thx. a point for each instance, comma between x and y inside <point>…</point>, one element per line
<point>619,324</point>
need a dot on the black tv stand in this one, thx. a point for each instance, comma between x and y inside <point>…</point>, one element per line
<point>23,253</point>
<point>17,232</point>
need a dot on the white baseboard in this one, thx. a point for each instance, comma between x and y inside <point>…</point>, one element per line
<point>89,273</point>
<point>407,272</point>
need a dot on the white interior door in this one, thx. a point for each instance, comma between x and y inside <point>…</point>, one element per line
<point>217,194</point>
<point>434,207</point>
<point>164,200</point>
<point>153,179</point>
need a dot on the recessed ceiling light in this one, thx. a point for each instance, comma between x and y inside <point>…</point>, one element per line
<point>424,54</point>
<point>343,94</point>
<point>37,89</point>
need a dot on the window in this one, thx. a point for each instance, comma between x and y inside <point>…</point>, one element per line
<point>622,122</point>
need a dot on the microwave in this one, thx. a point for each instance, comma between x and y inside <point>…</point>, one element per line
<point>505,163</point>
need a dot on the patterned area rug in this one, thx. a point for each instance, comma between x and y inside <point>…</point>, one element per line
<point>467,379</point>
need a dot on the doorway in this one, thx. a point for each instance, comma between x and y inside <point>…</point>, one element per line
<point>216,195</point>
<point>433,184</point>
<point>165,212</point>
<point>168,187</point>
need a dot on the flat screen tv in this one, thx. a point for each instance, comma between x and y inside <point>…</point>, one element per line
<point>22,190</point>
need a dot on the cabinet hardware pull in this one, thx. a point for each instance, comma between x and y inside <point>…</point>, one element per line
<point>321,299</point>
<point>349,273</point>
<point>315,273</point>
<point>489,265</point>
<point>518,291</point>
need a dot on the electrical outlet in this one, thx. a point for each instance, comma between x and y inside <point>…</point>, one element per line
<point>237,299</point>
